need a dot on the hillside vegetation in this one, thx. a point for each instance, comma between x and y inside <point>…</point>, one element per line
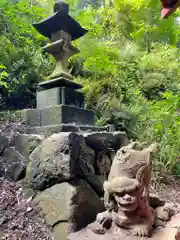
<point>129,65</point>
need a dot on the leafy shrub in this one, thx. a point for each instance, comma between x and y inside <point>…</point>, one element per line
<point>133,85</point>
<point>161,123</point>
<point>20,53</point>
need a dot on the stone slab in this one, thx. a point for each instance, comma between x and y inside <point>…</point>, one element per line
<point>58,82</point>
<point>51,115</point>
<point>100,141</point>
<point>59,95</point>
<point>47,98</point>
<point>73,98</point>
<point>31,117</point>
<point>57,115</point>
<point>77,115</point>
<point>50,129</point>
<point>66,114</point>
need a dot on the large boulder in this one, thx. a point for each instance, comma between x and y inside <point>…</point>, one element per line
<point>59,158</point>
<point>4,143</point>
<point>102,163</point>
<point>14,164</point>
<point>69,207</point>
<point>96,182</point>
<point>103,141</point>
<point>26,143</point>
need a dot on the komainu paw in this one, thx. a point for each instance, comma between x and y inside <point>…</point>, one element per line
<point>101,217</point>
<point>141,231</point>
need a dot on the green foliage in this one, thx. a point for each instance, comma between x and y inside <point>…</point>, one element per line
<point>21,61</point>
<point>133,74</point>
<point>161,123</point>
<point>3,75</point>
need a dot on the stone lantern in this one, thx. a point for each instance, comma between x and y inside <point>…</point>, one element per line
<point>61,29</point>
<point>60,104</point>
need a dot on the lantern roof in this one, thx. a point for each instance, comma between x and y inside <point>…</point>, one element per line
<point>60,20</point>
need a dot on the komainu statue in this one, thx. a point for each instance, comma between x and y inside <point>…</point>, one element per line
<point>126,198</point>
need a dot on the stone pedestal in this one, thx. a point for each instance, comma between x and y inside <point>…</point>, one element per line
<point>60,104</point>
<point>60,118</point>
<point>60,107</point>
<point>59,91</point>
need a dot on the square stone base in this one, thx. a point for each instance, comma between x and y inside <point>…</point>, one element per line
<point>66,114</point>
<point>59,95</point>
<point>51,129</point>
<point>60,114</point>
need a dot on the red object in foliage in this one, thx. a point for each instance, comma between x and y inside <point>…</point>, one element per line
<point>169,6</point>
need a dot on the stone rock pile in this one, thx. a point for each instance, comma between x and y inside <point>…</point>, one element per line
<point>64,173</point>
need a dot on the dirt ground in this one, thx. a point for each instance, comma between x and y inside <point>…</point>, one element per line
<point>169,191</point>
<point>19,220</point>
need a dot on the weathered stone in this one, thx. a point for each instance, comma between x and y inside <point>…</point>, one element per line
<point>59,158</point>
<point>102,141</point>
<point>71,127</point>
<point>60,231</point>
<point>48,98</point>
<point>96,182</point>
<point>74,203</point>
<point>66,114</point>
<point>102,164</point>
<point>4,143</point>
<point>32,117</point>
<point>167,233</point>
<point>34,140</point>
<point>59,95</point>
<point>14,163</point>
<point>26,143</point>
<point>58,82</point>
